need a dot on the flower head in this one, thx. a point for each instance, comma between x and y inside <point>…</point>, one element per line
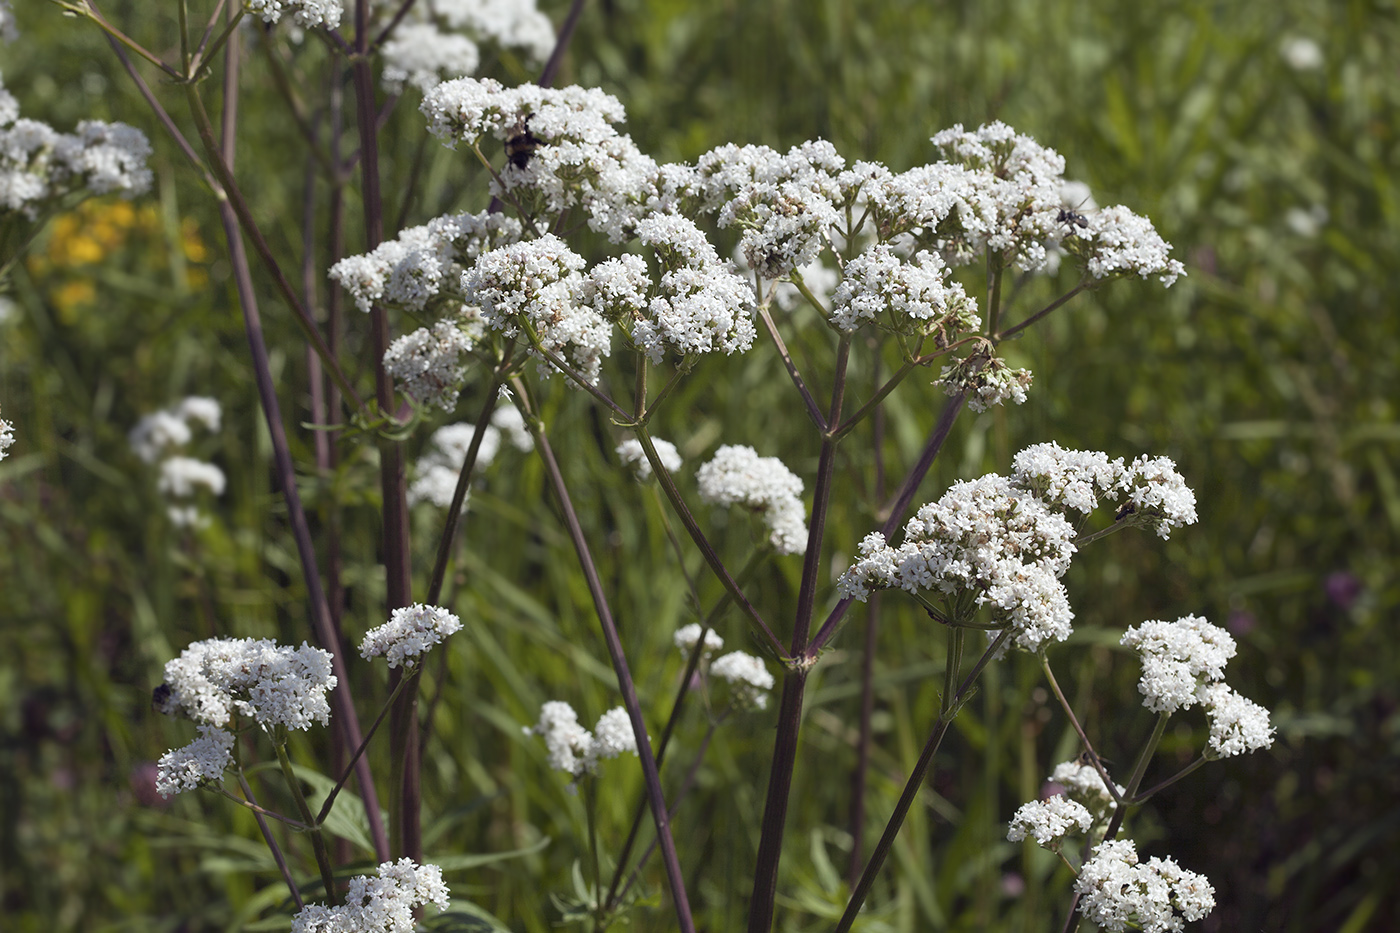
<point>570,747</point>
<point>687,636</point>
<point>631,454</point>
<point>199,762</point>
<point>1049,820</point>
<point>382,904</point>
<point>737,475</point>
<point>1237,725</point>
<point>410,632</point>
<point>1177,658</point>
<point>276,685</point>
<point>1116,891</point>
<point>748,679</point>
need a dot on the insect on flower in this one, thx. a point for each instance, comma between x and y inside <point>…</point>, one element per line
<point>1071,217</point>
<point>521,143</point>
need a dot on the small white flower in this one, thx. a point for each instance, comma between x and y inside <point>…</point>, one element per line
<point>199,762</point>
<point>747,677</point>
<point>631,454</point>
<point>987,382</point>
<point>304,12</point>
<point>7,437</point>
<point>1082,782</point>
<point>687,635</point>
<point>180,475</point>
<point>1178,657</point>
<point>737,475</point>
<point>379,905</point>
<point>570,747</point>
<point>1116,891</point>
<point>612,736</point>
<point>1301,53</point>
<point>1237,725</point>
<point>410,632</point>
<point>212,680</point>
<point>1049,820</point>
<point>427,364</point>
<point>437,471</point>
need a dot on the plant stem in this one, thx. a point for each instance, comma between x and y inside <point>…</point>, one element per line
<point>318,840</point>
<point>1013,331</point>
<point>1142,797</point>
<point>286,471</point>
<point>895,513</point>
<point>349,767</point>
<point>624,676</point>
<point>770,845</point>
<point>1079,730</point>
<point>459,494</point>
<point>272,845</point>
<point>948,709</point>
<point>677,705</point>
<point>813,410</point>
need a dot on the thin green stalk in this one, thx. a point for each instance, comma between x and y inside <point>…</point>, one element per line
<point>1142,797</point>
<point>673,495</point>
<point>318,840</point>
<point>590,807</point>
<point>948,710</point>
<point>350,765</point>
<point>627,687</point>
<point>1013,331</point>
<point>1079,730</point>
<point>268,838</point>
<point>813,409</point>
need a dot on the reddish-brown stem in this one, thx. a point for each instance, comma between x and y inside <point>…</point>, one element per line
<point>650,773</point>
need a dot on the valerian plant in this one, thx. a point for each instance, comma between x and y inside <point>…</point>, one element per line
<point>599,267</point>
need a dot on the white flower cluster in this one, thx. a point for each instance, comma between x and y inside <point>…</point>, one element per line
<point>40,166</point>
<point>987,381</point>
<point>737,475</point>
<point>276,685</point>
<point>199,762</point>
<point>987,539</point>
<point>410,631</point>
<point>1005,542</point>
<point>1116,891</point>
<point>439,38</point>
<point>304,12</point>
<point>687,636</point>
<point>1150,488</point>
<point>424,262</point>
<point>157,437</point>
<point>1183,663</point>
<point>1083,783</point>
<point>563,150</point>
<point>7,437</point>
<point>906,297</point>
<point>1049,820</point>
<point>538,283</point>
<point>436,472</point>
<point>631,454</point>
<point>748,679</point>
<point>572,748</point>
<point>701,305</point>
<point>378,905</point>
<point>1119,242</point>
<point>427,366</point>
<point>783,204</point>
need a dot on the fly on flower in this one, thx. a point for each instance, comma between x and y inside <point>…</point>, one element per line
<point>521,143</point>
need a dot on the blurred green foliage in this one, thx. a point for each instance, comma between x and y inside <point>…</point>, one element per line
<point>1268,374</point>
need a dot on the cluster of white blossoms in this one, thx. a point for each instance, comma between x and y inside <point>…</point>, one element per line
<point>572,748</point>
<point>563,150</point>
<point>41,168</point>
<point>905,297</point>
<point>1118,892</point>
<point>304,12</point>
<point>631,454</point>
<point>1049,820</point>
<point>688,636</point>
<point>1150,489</point>
<point>437,470</point>
<point>410,631</point>
<point>748,679</point>
<point>536,284</point>
<point>202,761</point>
<point>214,680</point>
<point>157,437</point>
<point>424,262</point>
<point>427,365</point>
<point>1183,663</point>
<point>275,685</point>
<point>1083,783</point>
<point>737,475</point>
<point>1005,542</point>
<point>439,39</point>
<point>383,904</point>
<point>7,437</point>
<point>987,381</point>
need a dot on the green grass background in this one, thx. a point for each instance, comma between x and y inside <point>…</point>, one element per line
<point>1269,374</point>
